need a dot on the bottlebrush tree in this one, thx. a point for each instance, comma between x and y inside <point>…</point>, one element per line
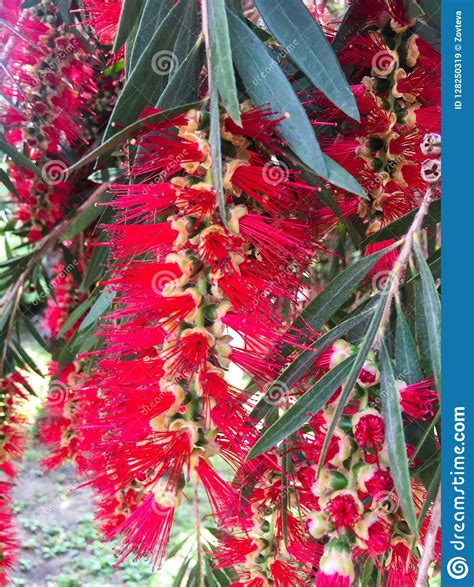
<point>222,222</point>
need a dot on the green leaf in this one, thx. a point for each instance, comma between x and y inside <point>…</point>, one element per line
<point>349,28</point>
<point>395,440</point>
<point>33,331</point>
<point>267,84</point>
<point>400,227</point>
<point>147,81</point>
<point>341,178</point>
<point>18,157</point>
<point>20,350</point>
<point>103,175</point>
<point>152,16</point>
<point>215,145</point>
<point>431,495</point>
<point>85,219</point>
<point>302,411</point>
<point>98,309</point>
<point>406,354</point>
<point>336,175</point>
<point>361,356</point>
<point>96,266</point>
<point>306,45</point>
<point>183,85</point>
<point>120,137</point>
<point>76,314</point>
<point>431,313</point>
<point>128,16</point>
<point>434,264</point>
<point>339,290</point>
<point>7,182</point>
<point>302,364</point>
<point>220,55</point>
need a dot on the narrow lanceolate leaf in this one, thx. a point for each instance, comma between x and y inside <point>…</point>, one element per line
<point>395,440</point>
<point>303,363</point>
<point>307,46</point>
<point>18,158</point>
<point>151,74</point>
<point>76,314</point>
<point>183,86</point>
<point>266,84</point>
<point>302,411</point>
<point>341,178</point>
<point>357,365</point>
<point>318,312</point>
<point>406,354</point>
<point>128,16</point>
<point>216,157</point>
<point>120,137</point>
<point>7,182</point>
<point>98,309</point>
<point>223,76</point>
<point>431,310</point>
<point>154,12</point>
<point>337,175</point>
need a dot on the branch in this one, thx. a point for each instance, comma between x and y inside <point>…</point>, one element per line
<point>430,542</point>
<point>44,247</point>
<point>403,258</point>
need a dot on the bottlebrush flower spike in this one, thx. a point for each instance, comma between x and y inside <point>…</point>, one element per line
<point>399,104</point>
<point>184,283</point>
<point>54,106</point>
<point>336,568</point>
<point>13,427</point>
<point>418,399</point>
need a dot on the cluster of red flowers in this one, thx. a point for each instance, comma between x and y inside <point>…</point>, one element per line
<point>341,517</point>
<point>12,440</point>
<point>56,430</point>
<point>54,105</point>
<point>395,150</point>
<point>185,280</point>
<point>202,292</point>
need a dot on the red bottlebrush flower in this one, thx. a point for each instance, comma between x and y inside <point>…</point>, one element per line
<point>9,546</point>
<point>373,535</point>
<point>336,568</point>
<point>384,265</point>
<point>66,298</point>
<point>147,530</point>
<point>284,574</point>
<point>223,499</point>
<point>378,540</point>
<point>343,507</point>
<point>418,399</point>
<point>369,429</point>
<point>103,17</point>
<point>233,551</point>
<point>374,481</point>
<point>402,566</point>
